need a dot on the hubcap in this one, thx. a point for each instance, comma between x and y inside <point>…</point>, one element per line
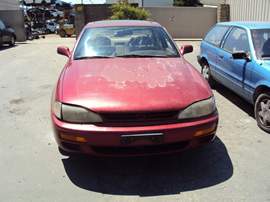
<point>205,72</point>
<point>264,112</point>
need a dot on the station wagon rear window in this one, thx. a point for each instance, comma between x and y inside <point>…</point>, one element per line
<point>216,34</point>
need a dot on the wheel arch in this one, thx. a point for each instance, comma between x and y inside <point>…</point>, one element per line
<point>202,61</point>
<point>259,90</point>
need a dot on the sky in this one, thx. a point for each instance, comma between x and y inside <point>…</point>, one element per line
<point>86,1</point>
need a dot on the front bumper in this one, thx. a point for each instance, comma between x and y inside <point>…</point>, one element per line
<point>134,141</point>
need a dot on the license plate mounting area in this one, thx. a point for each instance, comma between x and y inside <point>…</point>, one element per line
<point>153,137</point>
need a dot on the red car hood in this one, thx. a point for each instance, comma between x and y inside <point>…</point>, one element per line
<point>139,84</point>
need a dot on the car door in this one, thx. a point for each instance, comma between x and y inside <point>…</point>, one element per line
<point>231,72</point>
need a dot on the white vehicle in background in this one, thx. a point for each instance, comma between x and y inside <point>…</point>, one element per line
<point>59,3</point>
<point>51,27</point>
<point>32,2</point>
<point>56,13</point>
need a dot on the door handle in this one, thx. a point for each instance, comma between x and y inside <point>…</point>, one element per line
<point>220,55</point>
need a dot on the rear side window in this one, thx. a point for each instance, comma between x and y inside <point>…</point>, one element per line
<point>215,35</point>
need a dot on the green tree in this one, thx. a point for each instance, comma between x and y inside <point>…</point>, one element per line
<point>187,3</point>
<point>178,3</point>
<point>123,10</point>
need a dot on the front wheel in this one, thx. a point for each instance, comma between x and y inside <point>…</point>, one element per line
<point>206,73</point>
<point>262,111</point>
<point>62,33</point>
<point>12,41</point>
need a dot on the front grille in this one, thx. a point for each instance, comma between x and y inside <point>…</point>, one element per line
<point>152,116</point>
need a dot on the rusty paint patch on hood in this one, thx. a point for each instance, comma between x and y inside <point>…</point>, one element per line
<point>154,74</point>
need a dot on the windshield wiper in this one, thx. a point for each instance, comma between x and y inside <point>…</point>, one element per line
<point>142,56</point>
<point>265,56</point>
<point>92,57</point>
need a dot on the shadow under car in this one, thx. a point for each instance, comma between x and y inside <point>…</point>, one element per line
<point>151,176</point>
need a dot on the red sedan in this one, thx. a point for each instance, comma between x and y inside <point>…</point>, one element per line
<point>126,90</point>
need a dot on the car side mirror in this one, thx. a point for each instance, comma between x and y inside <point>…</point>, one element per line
<point>186,49</point>
<point>241,55</point>
<point>62,50</point>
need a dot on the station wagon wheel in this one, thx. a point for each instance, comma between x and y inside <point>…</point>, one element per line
<point>262,111</point>
<point>205,71</point>
<point>12,41</point>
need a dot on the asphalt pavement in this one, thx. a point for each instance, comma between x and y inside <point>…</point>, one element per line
<point>235,167</point>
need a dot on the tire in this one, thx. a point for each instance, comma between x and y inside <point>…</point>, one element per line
<point>12,41</point>
<point>48,31</point>
<point>206,73</point>
<point>262,111</point>
<point>64,152</point>
<point>62,33</point>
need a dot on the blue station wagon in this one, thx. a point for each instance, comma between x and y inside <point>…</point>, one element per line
<point>237,55</point>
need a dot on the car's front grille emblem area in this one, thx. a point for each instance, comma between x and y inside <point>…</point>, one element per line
<point>140,116</point>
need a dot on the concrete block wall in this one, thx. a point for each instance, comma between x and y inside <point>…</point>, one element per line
<point>14,19</point>
<point>85,13</point>
<point>181,22</point>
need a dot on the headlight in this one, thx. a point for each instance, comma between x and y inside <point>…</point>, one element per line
<point>201,108</point>
<point>75,114</point>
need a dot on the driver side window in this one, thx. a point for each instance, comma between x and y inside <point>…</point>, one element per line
<point>237,41</point>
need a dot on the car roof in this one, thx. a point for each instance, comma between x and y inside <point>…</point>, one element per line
<point>247,24</point>
<point>110,23</point>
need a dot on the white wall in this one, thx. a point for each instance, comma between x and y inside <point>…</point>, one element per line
<point>9,5</point>
<point>213,2</point>
<point>185,22</point>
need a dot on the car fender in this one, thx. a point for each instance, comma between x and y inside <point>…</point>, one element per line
<point>261,86</point>
<point>203,56</point>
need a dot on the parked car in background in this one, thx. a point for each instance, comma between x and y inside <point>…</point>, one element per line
<point>7,35</point>
<point>33,2</point>
<point>237,55</point>
<point>127,90</point>
<point>38,13</point>
<point>56,13</point>
<point>62,4</point>
<point>51,27</point>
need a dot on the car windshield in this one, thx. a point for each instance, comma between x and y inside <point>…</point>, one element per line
<point>124,41</point>
<point>261,41</point>
<point>2,25</point>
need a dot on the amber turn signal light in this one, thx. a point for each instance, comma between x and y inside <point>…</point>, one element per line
<point>203,132</point>
<point>72,138</point>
